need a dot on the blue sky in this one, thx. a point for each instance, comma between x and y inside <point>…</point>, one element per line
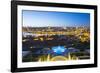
<point>54,19</point>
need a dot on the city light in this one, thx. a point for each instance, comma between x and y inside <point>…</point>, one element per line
<point>71,43</point>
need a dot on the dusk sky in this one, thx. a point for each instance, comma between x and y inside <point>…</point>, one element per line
<point>54,19</point>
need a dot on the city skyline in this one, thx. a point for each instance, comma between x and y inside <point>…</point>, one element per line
<point>54,19</point>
